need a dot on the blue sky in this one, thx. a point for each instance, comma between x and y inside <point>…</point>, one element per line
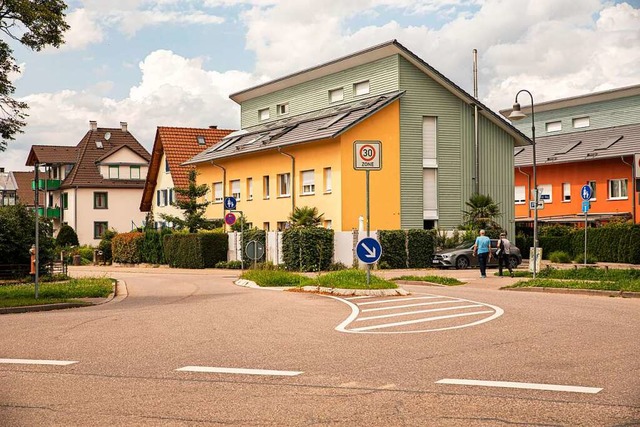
<point>174,62</point>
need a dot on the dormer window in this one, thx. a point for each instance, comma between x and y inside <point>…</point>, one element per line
<point>361,88</point>
<point>336,95</point>
<point>581,122</point>
<point>283,109</point>
<point>114,172</point>
<point>553,126</point>
<point>263,114</point>
<point>200,139</point>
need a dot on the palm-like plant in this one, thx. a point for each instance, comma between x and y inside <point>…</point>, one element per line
<point>305,216</point>
<point>482,212</point>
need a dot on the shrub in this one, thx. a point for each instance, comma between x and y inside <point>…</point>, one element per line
<point>232,265</point>
<point>560,257</point>
<point>152,250</point>
<point>579,259</point>
<point>307,249</point>
<point>336,266</point>
<point>126,247</point>
<point>421,245</point>
<point>17,225</point>
<point>197,250</point>
<point>67,236</point>
<point>394,250</point>
<point>105,244</point>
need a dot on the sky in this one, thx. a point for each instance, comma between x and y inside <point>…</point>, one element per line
<point>157,63</point>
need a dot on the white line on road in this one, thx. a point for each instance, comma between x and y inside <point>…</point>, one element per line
<point>383,316</point>
<point>239,371</point>
<point>360,297</point>
<point>451,301</point>
<point>531,386</point>
<point>398,299</point>
<point>38,362</point>
<point>428,319</point>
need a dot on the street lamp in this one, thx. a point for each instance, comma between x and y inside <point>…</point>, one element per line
<point>517,114</point>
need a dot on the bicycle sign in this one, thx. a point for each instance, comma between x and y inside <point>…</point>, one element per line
<point>367,155</point>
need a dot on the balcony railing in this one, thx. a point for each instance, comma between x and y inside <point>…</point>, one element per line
<point>49,184</point>
<point>49,213</point>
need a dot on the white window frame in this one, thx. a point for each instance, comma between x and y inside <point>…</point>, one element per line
<point>131,174</point>
<point>284,185</point>
<point>361,88</point>
<point>519,195</point>
<point>249,188</point>
<point>327,180</point>
<point>555,126</point>
<point>263,114</point>
<point>308,179</point>
<point>234,185</point>
<point>544,189</point>
<point>217,192</point>
<point>429,141</point>
<point>282,109</point>
<point>336,95</point>
<point>115,168</point>
<point>593,186</point>
<point>581,122</point>
<point>566,192</point>
<point>623,189</point>
<point>266,187</point>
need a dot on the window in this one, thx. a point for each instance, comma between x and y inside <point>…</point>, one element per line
<point>282,109</point>
<point>50,203</point>
<point>249,188</point>
<point>134,172</point>
<point>217,192</point>
<point>519,195</point>
<point>54,173</point>
<point>161,198</point>
<point>566,192</point>
<point>581,122</point>
<point>171,196</point>
<point>263,114</point>
<point>65,200</point>
<point>592,184</point>
<point>544,193</point>
<point>166,165</point>
<point>284,185</point>
<point>201,140</point>
<point>265,187</point>
<point>361,88</point>
<point>265,226</point>
<point>308,182</point>
<point>618,189</point>
<point>327,224</point>
<point>114,172</point>
<point>100,200</point>
<point>430,188</point>
<point>282,225</point>
<point>429,142</point>
<point>99,228</point>
<point>553,126</point>
<point>336,95</point>
<point>327,180</point>
<point>235,189</point>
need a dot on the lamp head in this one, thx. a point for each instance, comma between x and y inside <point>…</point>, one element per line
<point>516,113</point>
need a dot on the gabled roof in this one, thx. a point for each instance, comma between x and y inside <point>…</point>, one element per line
<point>8,182</point>
<point>178,144</point>
<point>26,195</point>
<point>581,146</point>
<point>317,125</point>
<point>374,53</point>
<point>113,151</point>
<point>85,172</point>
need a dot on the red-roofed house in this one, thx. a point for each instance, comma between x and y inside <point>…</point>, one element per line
<point>95,185</point>
<point>172,147</point>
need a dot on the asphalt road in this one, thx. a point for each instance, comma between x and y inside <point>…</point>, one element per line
<point>128,353</point>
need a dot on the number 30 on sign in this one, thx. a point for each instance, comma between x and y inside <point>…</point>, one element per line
<point>367,155</point>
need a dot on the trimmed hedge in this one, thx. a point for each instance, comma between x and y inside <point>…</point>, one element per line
<point>125,247</point>
<point>421,247</point>
<point>152,249</point>
<point>196,250</point>
<point>307,249</point>
<point>394,249</point>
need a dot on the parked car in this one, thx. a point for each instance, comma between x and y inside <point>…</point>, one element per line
<point>462,256</point>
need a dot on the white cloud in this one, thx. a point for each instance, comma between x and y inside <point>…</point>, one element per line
<point>84,29</point>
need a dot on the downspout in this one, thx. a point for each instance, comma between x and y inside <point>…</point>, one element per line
<point>293,178</point>
<point>75,209</point>
<point>224,185</point>
<point>475,121</point>
<point>633,187</point>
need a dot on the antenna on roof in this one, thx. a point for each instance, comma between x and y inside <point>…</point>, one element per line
<point>107,136</point>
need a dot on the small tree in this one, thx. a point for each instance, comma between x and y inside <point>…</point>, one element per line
<point>67,236</point>
<point>187,201</point>
<point>482,213</point>
<point>305,216</point>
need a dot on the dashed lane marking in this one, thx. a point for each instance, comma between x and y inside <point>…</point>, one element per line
<point>241,371</point>
<point>411,322</point>
<point>409,313</point>
<point>393,307</point>
<point>529,386</point>
<point>396,300</point>
<point>360,297</point>
<point>37,362</point>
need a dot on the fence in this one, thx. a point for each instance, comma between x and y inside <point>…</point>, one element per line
<point>19,271</point>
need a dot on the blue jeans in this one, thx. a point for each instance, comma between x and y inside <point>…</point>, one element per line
<point>482,260</point>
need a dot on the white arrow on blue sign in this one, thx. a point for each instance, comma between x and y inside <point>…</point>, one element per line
<point>230,203</point>
<point>586,192</point>
<point>368,250</point>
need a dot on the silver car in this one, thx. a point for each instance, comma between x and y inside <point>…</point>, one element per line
<point>462,256</point>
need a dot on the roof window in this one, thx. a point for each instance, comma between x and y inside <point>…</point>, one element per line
<point>200,139</point>
<point>609,142</point>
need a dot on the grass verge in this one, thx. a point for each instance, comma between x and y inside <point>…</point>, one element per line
<point>343,279</point>
<point>276,278</point>
<point>584,278</point>
<point>448,281</point>
<point>604,285</point>
<point>51,293</point>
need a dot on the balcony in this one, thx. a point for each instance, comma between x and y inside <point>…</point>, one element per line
<point>49,213</point>
<point>49,184</point>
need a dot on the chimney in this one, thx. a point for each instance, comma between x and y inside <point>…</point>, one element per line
<point>213,127</point>
<point>123,125</point>
<point>93,125</point>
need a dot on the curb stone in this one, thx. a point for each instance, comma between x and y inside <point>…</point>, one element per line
<point>592,292</point>
<point>331,291</point>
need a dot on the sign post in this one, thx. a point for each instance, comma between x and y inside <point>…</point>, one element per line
<point>367,156</point>
<point>586,194</point>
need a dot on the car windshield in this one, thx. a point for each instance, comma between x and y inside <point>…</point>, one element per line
<point>465,245</point>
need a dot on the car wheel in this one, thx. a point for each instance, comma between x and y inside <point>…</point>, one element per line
<point>462,262</point>
<point>513,261</point>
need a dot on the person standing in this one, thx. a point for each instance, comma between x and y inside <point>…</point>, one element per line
<point>503,252</point>
<point>482,247</point>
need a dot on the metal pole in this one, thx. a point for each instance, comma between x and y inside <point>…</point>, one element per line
<point>368,226</point>
<point>535,184</point>
<point>37,202</point>
<point>585,237</point>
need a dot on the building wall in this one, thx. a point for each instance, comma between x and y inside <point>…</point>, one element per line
<point>124,158</point>
<point>164,181</point>
<point>313,95</point>
<point>578,174</point>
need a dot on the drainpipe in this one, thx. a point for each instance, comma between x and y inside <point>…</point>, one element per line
<point>293,178</point>
<point>224,185</point>
<point>475,121</point>
<point>633,187</point>
<point>75,209</point>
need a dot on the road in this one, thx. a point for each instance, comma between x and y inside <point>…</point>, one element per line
<point>139,361</point>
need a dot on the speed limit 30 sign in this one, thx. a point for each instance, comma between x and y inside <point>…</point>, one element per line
<point>367,155</point>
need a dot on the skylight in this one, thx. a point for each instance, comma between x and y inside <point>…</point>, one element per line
<point>609,142</point>
<point>200,139</point>
<point>570,146</point>
<point>227,143</point>
<point>99,144</point>
<point>335,120</point>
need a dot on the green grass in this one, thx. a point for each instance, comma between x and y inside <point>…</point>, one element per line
<point>343,279</point>
<point>50,293</point>
<point>448,281</point>
<point>621,285</point>
<point>584,278</point>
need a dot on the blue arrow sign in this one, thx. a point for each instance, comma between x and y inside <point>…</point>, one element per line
<point>586,192</point>
<point>230,203</point>
<point>368,250</point>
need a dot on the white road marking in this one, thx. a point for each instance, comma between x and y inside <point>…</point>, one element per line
<point>360,297</point>
<point>417,312</point>
<point>411,322</point>
<point>38,362</point>
<point>241,371</point>
<point>393,307</point>
<point>397,299</point>
<point>530,386</point>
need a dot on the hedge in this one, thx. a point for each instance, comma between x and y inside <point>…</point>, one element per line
<point>420,248</point>
<point>152,249</point>
<point>307,248</point>
<point>197,250</point>
<point>125,247</point>
<point>394,249</point>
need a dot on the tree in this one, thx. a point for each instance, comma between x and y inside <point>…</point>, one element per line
<point>35,24</point>
<point>305,216</point>
<point>482,213</point>
<point>17,234</point>
<point>194,211</point>
<point>67,236</point>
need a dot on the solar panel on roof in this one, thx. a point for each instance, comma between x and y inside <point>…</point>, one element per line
<point>225,144</point>
<point>609,142</point>
<point>570,146</point>
<point>335,120</point>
